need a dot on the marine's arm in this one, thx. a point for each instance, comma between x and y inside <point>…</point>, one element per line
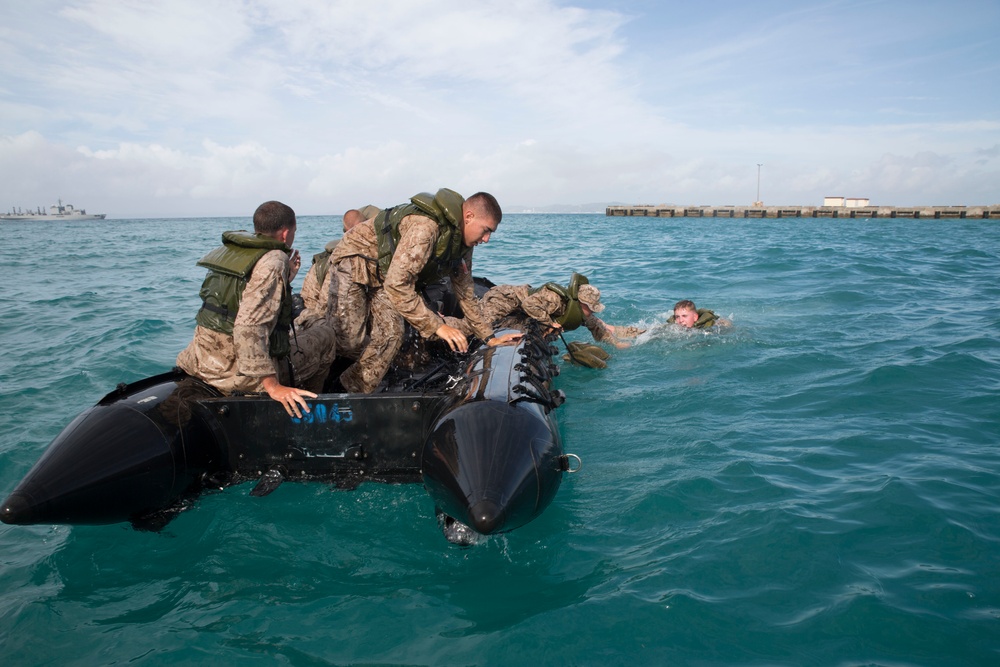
<point>461,324</point>
<point>311,292</point>
<point>417,237</point>
<point>601,332</point>
<point>464,326</point>
<point>464,287</point>
<point>256,319</point>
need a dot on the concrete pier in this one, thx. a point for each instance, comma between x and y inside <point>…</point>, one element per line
<point>923,212</point>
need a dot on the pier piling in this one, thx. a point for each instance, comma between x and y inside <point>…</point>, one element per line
<point>919,212</point>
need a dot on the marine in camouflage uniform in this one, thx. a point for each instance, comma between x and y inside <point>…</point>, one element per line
<point>315,290</point>
<point>509,306</point>
<point>242,361</point>
<point>314,297</point>
<point>368,300</point>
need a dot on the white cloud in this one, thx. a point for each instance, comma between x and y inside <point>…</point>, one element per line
<point>202,108</point>
<point>175,33</point>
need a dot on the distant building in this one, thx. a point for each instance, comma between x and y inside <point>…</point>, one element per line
<point>848,202</point>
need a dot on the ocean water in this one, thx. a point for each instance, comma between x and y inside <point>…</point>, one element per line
<point>820,485</point>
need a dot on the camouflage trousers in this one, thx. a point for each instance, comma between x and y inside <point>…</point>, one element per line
<point>348,305</point>
<point>384,341</point>
<point>368,328</point>
<point>314,347</point>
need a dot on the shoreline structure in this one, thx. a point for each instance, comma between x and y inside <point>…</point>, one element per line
<point>923,212</point>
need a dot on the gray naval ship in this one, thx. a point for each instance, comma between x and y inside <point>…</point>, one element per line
<point>58,211</point>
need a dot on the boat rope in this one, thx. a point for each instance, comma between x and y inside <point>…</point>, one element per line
<point>570,351</point>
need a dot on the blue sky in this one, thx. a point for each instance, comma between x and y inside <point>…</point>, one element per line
<point>208,107</point>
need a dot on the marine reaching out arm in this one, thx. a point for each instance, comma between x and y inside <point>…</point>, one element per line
<point>590,303</point>
<point>411,246</point>
<point>605,333</point>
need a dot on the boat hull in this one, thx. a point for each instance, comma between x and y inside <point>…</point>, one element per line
<point>134,453</point>
<point>147,449</point>
<point>495,461</point>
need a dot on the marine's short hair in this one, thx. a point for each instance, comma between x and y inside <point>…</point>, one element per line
<point>685,304</point>
<point>271,217</point>
<point>352,217</point>
<point>488,204</point>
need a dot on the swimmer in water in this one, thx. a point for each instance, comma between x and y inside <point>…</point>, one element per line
<point>690,317</point>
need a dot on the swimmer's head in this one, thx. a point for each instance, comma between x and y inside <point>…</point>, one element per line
<point>685,313</point>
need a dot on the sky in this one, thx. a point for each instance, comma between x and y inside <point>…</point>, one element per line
<point>183,108</point>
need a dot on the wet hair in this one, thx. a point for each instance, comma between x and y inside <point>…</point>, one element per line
<point>488,204</point>
<point>271,217</point>
<point>685,304</point>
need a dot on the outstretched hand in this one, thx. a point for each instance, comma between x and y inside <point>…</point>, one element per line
<point>292,399</point>
<point>505,339</point>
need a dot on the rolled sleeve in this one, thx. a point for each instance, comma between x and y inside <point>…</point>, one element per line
<point>417,238</point>
<point>464,287</point>
<point>598,329</point>
<point>258,315</point>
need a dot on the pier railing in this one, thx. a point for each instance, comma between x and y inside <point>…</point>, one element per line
<point>931,212</point>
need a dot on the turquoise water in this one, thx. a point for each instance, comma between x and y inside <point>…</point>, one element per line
<point>819,486</point>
